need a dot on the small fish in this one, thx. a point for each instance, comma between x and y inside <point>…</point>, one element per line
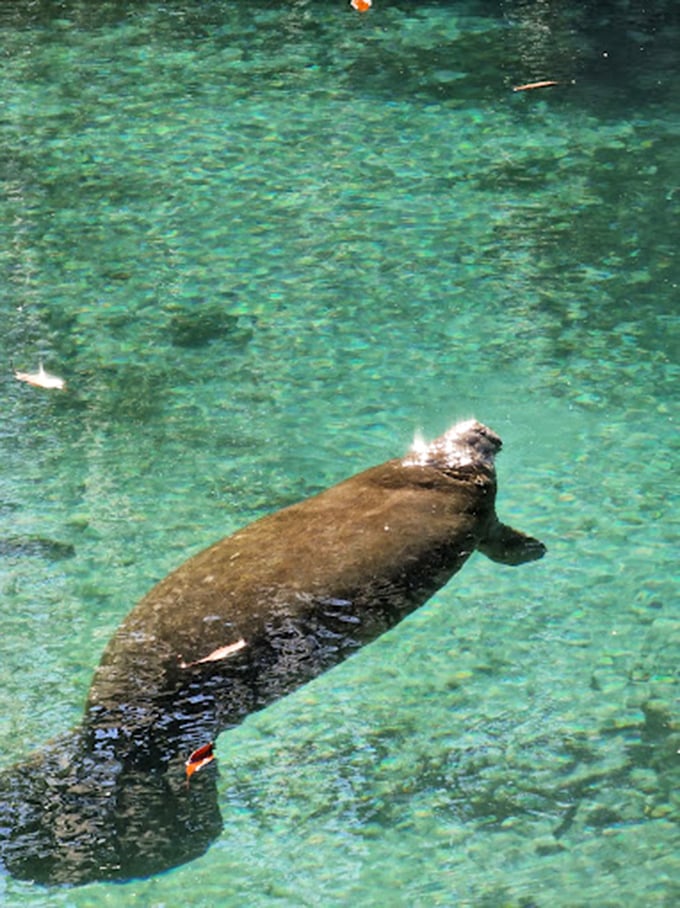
<point>41,379</point>
<point>361,6</point>
<point>199,758</point>
<point>222,653</point>
<point>531,85</point>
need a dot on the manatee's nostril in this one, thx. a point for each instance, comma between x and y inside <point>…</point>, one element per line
<point>466,444</point>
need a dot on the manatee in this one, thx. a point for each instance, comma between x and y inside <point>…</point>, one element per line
<point>234,628</point>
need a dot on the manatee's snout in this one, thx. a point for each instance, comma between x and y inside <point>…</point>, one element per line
<point>478,438</point>
<point>465,444</point>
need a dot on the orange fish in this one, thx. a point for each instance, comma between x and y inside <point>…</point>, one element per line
<point>529,85</point>
<point>361,6</point>
<point>199,758</point>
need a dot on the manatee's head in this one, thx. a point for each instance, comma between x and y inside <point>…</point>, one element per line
<point>467,444</point>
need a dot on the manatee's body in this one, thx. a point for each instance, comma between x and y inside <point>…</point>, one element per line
<point>234,628</point>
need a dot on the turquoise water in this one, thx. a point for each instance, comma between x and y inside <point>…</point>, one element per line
<point>265,244</point>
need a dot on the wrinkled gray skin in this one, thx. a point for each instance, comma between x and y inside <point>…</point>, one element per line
<point>234,628</point>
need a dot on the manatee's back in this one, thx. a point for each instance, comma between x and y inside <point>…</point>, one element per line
<point>381,542</point>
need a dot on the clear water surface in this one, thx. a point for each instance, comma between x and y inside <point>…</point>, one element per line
<point>266,242</point>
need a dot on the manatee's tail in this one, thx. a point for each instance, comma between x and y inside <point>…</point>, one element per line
<point>67,817</point>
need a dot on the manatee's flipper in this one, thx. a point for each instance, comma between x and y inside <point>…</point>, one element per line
<point>508,546</point>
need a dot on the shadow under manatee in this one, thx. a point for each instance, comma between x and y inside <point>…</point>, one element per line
<point>233,629</point>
